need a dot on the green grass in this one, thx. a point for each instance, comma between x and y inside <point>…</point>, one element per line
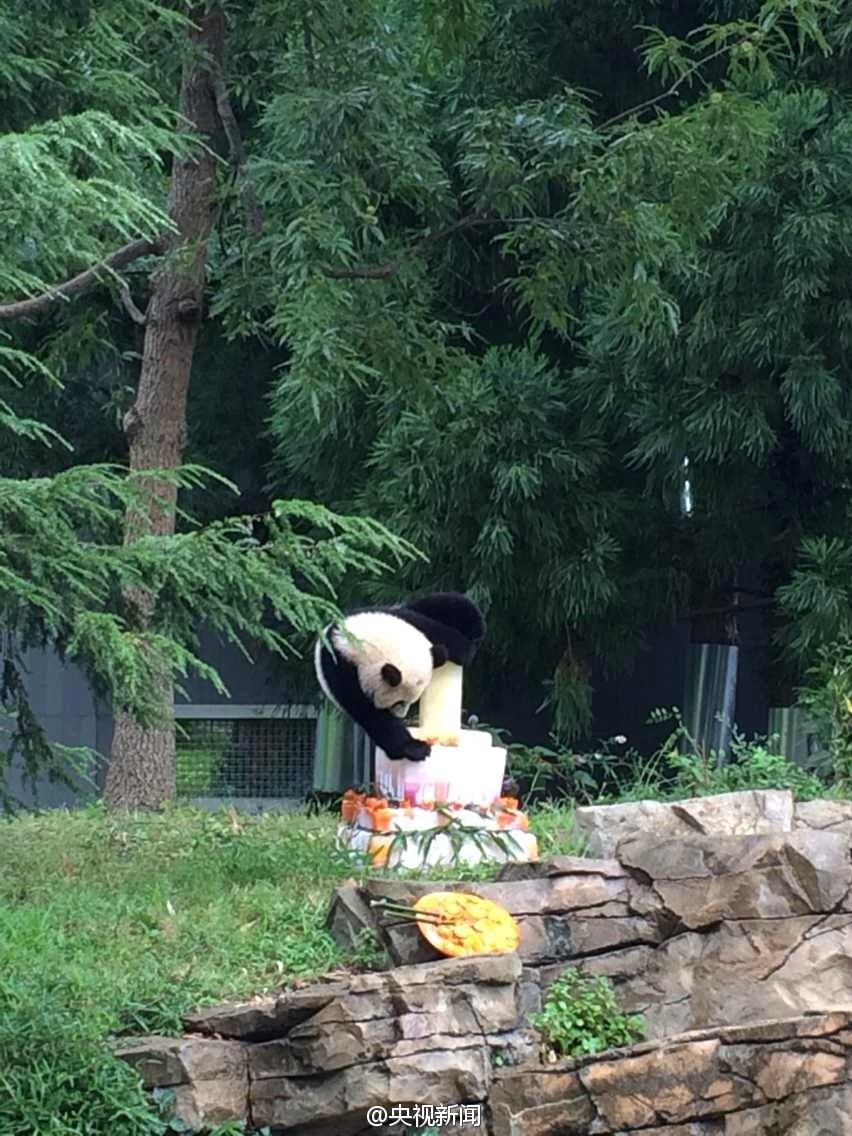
<point>113,926</point>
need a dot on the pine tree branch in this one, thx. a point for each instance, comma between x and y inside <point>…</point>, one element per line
<point>308,40</point>
<point>78,284</point>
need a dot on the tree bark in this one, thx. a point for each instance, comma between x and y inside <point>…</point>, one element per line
<point>141,772</point>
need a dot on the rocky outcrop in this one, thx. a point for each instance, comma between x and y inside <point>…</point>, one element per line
<point>736,948</point>
<point>566,908</point>
<point>790,1077</point>
<point>825,816</point>
<point>316,1060</point>
<point>757,811</point>
<point>205,1080</point>
<point>748,813</point>
<point>450,1035</point>
<point>694,932</point>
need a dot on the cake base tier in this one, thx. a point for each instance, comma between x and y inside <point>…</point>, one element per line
<point>442,846</point>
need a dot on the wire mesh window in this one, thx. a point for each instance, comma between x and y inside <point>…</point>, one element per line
<point>251,755</point>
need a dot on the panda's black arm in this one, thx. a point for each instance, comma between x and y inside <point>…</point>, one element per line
<point>384,729</point>
<point>391,734</point>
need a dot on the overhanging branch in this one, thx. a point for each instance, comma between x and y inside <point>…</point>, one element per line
<point>670,92</point>
<point>79,284</point>
<point>251,205</point>
<point>386,270</point>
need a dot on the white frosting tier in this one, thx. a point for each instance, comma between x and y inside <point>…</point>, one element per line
<point>470,773</point>
<point>421,851</point>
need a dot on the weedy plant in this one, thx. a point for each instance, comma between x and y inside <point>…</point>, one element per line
<point>545,772</point>
<point>681,767</point>
<point>581,1015</point>
<point>827,699</point>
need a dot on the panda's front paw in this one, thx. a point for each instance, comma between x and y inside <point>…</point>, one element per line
<point>415,750</point>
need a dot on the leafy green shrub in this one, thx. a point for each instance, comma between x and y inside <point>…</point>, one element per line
<point>827,699</point>
<point>680,768</point>
<point>755,766</point>
<point>553,825</point>
<point>542,772</point>
<point>545,771</point>
<point>581,1015</point>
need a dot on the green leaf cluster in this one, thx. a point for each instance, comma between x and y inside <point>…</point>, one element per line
<point>581,1015</point>
<point>65,576</point>
<point>509,317</point>
<point>509,291</point>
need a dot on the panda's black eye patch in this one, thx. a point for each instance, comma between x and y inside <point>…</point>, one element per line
<point>391,674</point>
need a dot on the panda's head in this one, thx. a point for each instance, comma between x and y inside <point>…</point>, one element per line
<point>394,660</point>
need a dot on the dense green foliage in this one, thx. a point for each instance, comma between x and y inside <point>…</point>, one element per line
<point>519,260</point>
<point>513,306</point>
<point>682,768</point>
<point>83,162</point>
<point>581,1015</point>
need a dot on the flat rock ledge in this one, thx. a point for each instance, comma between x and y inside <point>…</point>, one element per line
<point>749,812</point>
<point>315,1060</point>
<point>450,1033</point>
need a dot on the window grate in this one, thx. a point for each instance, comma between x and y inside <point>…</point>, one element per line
<point>244,755</point>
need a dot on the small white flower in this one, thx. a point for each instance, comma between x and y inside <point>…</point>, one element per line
<point>620,739</point>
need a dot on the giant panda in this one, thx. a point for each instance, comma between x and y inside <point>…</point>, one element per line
<point>376,662</point>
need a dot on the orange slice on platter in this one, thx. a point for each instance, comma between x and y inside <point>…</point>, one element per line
<point>469,924</point>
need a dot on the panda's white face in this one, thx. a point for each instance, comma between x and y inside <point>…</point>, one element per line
<point>393,659</point>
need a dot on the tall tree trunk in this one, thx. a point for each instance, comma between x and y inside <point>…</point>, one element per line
<point>141,772</point>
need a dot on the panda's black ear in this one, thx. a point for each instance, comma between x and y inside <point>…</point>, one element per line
<point>439,655</point>
<point>392,675</point>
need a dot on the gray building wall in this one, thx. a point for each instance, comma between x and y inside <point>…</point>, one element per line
<point>63,702</point>
<point>256,681</point>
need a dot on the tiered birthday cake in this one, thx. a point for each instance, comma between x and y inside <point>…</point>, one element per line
<point>444,810</point>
